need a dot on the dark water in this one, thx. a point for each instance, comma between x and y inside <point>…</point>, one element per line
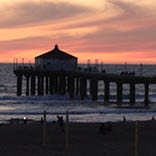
<point>80,111</point>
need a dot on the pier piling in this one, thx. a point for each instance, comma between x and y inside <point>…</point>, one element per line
<point>56,83</point>
<point>62,85</point>
<point>119,92</point>
<point>51,85</point>
<point>47,85</point>
<point>71,86</point>
<point>146,101</point>
<point>27,85</point>
<point>33,79</point>
<point>19,85</point>
<point>91,86</point>
<point>106,95</point>
<point>42,85</point>
<point>132,93</point>
<point>94,89</point>
<point>77,86</point>
<point>83,88</point>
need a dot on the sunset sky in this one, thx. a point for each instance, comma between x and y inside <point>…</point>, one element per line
<point>112,31</point>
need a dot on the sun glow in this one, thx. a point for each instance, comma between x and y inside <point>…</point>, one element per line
<point>110,31</point>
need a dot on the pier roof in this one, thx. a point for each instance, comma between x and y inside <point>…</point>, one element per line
<point>56,53</point>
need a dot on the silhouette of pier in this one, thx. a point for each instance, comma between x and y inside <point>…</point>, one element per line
<point>74,83</point>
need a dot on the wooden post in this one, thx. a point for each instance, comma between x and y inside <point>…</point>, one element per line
<point>132,93</point>
<point>38,85</point>
<point>42,85</point>
<point>72,86</point>
<point>62,85</point>
<point>91,86</point>
<point>59,84</point>
<point>83,88</point>
<point>19,85</point>
<point>51,88</point>
<point>77,86</point>
<point>27,85</point>
<point>106,96</point>
<point>119,92</point>
<point>68,83</point>
<point>67,132</point>
<point>33,85</point>
<point>146,101</point>
<point>47,85</point>
<point>136,140</point>
<point>56,85</point>
<point>94,89</point>
<point>44,128</point>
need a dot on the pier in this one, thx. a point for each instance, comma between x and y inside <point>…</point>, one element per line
<point>74,83</point>
<point>57,72</point>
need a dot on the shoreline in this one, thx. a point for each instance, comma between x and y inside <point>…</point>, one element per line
<point>82,118</point>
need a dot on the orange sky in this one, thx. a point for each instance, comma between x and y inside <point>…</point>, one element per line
<point>112,31</point>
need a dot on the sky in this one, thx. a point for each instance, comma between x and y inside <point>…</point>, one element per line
<point>110,31</point>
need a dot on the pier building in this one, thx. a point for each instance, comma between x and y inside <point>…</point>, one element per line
<point>56,59</point>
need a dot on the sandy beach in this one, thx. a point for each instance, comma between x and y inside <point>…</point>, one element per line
<point>85,139</point>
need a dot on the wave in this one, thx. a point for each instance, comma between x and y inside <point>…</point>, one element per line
<point>34,98</point>
<point>58,97</point>
<point>78,112</point>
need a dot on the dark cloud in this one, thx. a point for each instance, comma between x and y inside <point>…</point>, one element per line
<point>30,13</point>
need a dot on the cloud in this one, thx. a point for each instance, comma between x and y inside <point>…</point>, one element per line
<point>132,30</point>
<point>132,14</point>
<point>111,36</point>
<point>119,41</point>
<point>125,12</point>
<point>31,13</point>
<point>24,44</point>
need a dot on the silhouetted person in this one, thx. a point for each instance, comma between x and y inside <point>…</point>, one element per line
<point>41,120</point>
<point>61,122</point>
<point>25,120</point>
<point>11,120</point>
<point>124,119</point>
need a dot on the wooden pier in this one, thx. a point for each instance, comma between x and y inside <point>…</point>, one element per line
<point>74,83</point>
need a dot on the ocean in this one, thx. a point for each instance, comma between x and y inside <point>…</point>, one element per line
<point>32,107</point>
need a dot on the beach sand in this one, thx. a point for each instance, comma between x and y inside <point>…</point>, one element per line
<point>85,139</point>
